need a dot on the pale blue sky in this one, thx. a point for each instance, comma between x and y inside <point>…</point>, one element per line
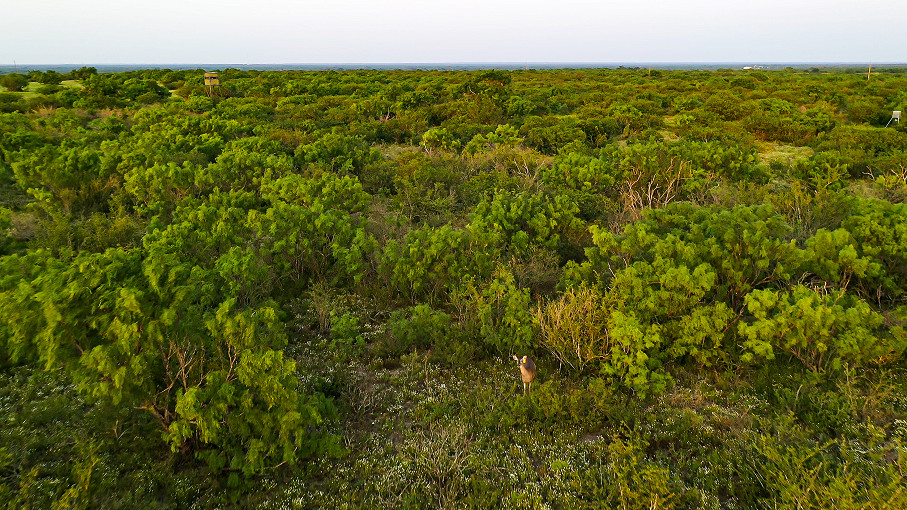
<point>359,31</point>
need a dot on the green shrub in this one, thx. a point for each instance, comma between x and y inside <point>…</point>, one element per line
<point>498,312</point>
<point>726,105</point>
<point>439,138</point>
<point>823,331</point>
<point>338,153</point>
<point>430,262</point>
<point>5,221</point>
<point>814,477</point>
<point>588,407</point>
<point>503,136</point>
<point>617,475</point>
<point>419,327</point>
<point>14,82</point>
<point>346,335</point>
<point>523,220</point>
<point>879,230</point>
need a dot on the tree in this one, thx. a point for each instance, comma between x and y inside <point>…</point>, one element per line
<point>14,82</point>
<point>47,78</point>
<point>83,73</point>
<point>165,329</point>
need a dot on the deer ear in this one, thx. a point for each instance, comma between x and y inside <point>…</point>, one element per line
<point>524,359</point>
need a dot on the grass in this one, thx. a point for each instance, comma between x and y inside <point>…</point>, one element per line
<point>427,436</point>
<point>421,435</point>
<point>772,152</point>
<point>31,90</point>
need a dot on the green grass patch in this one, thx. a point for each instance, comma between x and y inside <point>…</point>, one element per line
<point>770,152</point>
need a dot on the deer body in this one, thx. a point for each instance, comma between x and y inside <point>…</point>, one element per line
<point>527,372</point>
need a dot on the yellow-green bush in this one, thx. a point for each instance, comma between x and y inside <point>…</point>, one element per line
<point>573,327</point>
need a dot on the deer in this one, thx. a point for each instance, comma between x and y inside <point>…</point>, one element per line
<point>527,372</point>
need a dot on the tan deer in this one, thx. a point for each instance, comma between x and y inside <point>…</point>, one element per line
<point>527,372</point>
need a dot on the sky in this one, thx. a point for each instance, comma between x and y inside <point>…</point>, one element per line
<point>404,31</point>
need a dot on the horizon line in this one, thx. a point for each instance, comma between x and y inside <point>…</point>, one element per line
<point>477,62</point>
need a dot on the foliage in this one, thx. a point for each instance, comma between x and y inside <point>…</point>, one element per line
<point>439,138</point>
<point>420,327</point>
<point>707,266</point>
<point>72,181</point>
<point>5,241</point>
<point>675,283</point>
<point>803,477</point>
<point>573,327</point>
<point>13,82</point>
<point>503,136</point>
<point>205,370</point>
<point>878,228</point>
<point>523,220</point>
<point>823,331</point>
<point>345,332</point>
<point>311,230</point>
<point>430,262</point>
<point>498,312</point>
<point>619,476</point>
<point>338,153</point>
